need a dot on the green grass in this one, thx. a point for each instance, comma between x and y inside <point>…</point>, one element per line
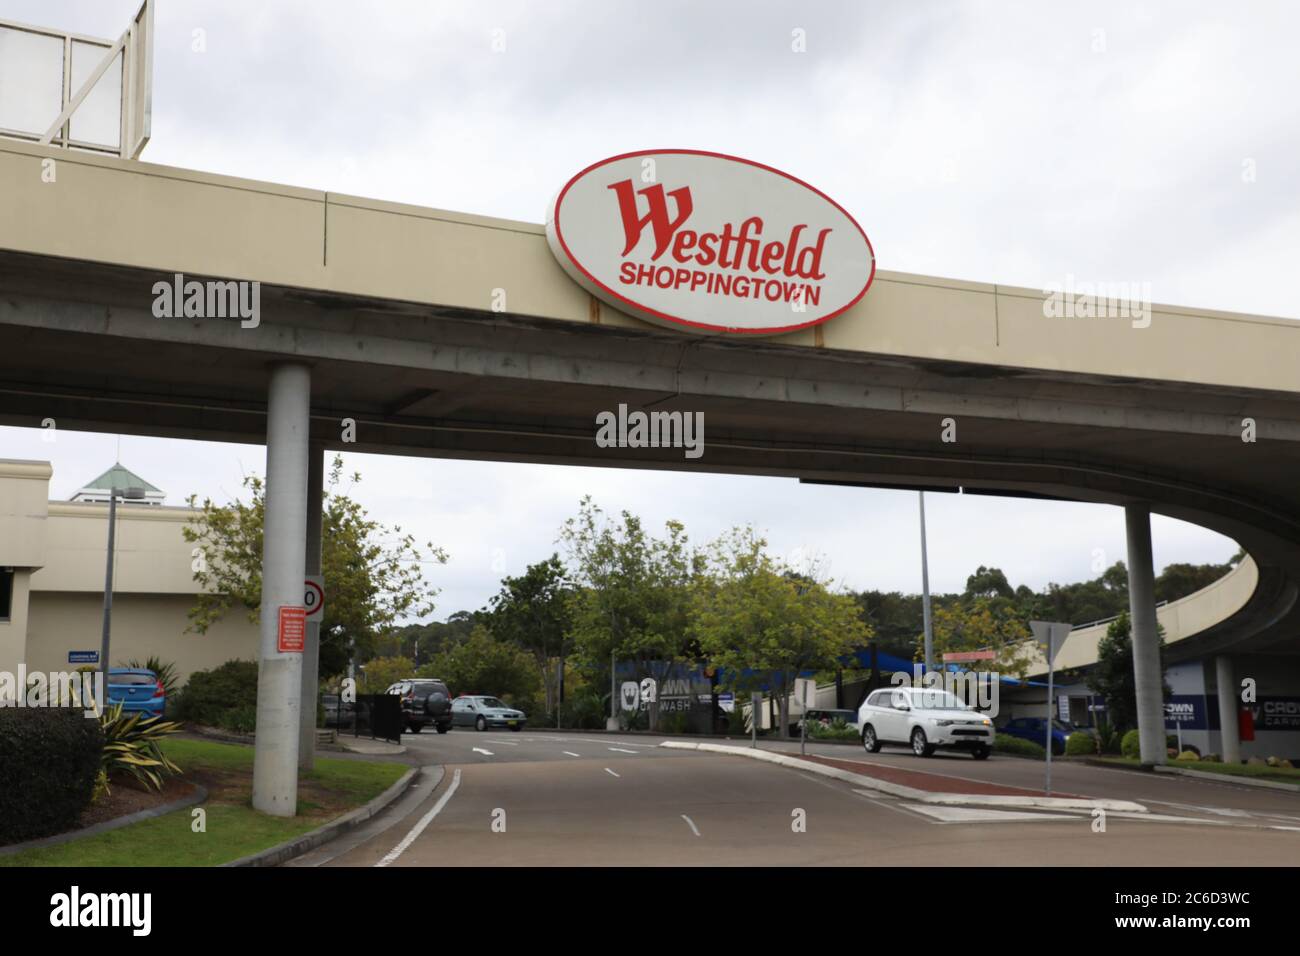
<point>1277,774</point>
<point>234,828</point>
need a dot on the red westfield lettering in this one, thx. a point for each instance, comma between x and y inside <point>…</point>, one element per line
<point>734,247</point>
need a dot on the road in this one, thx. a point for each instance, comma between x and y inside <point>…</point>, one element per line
<point>546,798</point>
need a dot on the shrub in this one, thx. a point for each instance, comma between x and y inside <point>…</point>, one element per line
<point>1108,738</point>
<point>678,722</point>
<point>211,696</point>
<point>838,730</point>
<point>131,746</point>
<point>1130,745</point>
<point>1188,756</point>
<point>1080,744</point>
<point>51,760</point>
<point>1212,758</point>
<point>1006,744</point>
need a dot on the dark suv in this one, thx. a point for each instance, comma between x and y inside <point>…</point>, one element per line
<point>424,701</point>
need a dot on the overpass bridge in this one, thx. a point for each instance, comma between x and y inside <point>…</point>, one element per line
<point>444,334</point>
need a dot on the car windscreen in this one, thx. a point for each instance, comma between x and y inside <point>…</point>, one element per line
<point>932,698</point>
<point>490,702</point>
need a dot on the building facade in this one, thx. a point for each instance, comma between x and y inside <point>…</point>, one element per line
<point>53,556</point>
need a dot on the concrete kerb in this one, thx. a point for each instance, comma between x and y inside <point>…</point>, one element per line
<point>1226,778</point>
<point>322,835</point>
<point>911,793</point>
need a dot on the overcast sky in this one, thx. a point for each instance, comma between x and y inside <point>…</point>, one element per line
<point>1017,143</point>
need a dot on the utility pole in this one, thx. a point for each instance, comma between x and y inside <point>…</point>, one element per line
<point>129,494</point>
<point>925,591</point>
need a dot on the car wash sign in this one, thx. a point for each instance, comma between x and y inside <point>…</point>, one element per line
<point>709,243</point>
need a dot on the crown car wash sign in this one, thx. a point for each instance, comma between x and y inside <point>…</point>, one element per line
<point>709,243</point>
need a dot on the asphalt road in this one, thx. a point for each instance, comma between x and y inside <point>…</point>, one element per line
<point>545,798</point>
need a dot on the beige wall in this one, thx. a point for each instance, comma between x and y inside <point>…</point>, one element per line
<point>24,494</point>
<point>143,625</point>
<point>151,555</point>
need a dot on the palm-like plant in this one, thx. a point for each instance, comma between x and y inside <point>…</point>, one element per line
<point>131,745</point>
<point>166,672</point>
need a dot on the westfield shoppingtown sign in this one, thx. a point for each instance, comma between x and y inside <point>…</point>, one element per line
<point>709,243</point>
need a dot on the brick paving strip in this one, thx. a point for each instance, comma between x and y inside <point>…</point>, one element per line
<point>924,780</point>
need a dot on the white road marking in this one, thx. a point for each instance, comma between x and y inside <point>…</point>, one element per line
<point>691,823</point>
<point>506,743</point>
<point>486,753</point>
<point>620,750</point>
<point>1218,811</point>
<point>610,772</point>
<point>570,753</point>
<point>979,815</point>
<point>424,822</point>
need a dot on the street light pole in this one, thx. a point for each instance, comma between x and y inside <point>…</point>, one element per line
<point>129,494</point>
<point>925,591</point>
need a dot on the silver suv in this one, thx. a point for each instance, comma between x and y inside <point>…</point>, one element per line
<point>923,718</point>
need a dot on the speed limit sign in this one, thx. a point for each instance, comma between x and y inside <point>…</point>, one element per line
<point>313,598</point>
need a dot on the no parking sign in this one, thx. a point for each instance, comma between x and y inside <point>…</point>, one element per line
<point>313,597</point>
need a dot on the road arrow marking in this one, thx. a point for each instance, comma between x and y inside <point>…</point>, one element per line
<point>571,753</point>
<point>613,774</point>
<point>486,753</point>
<point>691,823</point>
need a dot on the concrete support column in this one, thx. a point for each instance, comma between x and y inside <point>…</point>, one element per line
<point>279,676</point>
<point>1146,637</point>
<point>311,651</point>
<point>1226,681</point>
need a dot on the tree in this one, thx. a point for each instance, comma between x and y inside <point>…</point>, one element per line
<point>379,674</point>
<point>485,665</point>
<point>752,614</point>
<point>1113,678</point>
<point>982,623</point>
<point>533,611</point>
<point>988,582</point>
<point>372,572</point>
<point>632,590</point>
<point>1179,580</point>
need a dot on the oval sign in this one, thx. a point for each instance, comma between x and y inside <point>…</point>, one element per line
<point>709,243</point>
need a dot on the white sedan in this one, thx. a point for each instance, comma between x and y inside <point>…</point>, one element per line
<point>923,718</point>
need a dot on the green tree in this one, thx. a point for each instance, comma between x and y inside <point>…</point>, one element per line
<point>982,623</point>
<point>533,611</point>
<point>1112,677</point>
<point>988,582</point>
<point>632,590</point>
<point>751,613</point>
<point>485,665</point>
<point>372,572</point>
<point>380,673</point>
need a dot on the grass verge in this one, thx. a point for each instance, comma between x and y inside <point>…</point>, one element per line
<point>233,828</point>
<point>1276,774</point>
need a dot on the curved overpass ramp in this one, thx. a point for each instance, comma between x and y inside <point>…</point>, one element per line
<point>445,334</point>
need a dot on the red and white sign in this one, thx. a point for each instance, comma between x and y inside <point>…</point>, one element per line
<point>313,596</point>
<point>709,243</point>
<point>957,657</point>
<point>292,636</point>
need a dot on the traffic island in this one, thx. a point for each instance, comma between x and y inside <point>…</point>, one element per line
<point>918,785</point>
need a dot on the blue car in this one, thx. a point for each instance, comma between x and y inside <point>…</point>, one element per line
<point>136,688</point>
<point>1035,729</point>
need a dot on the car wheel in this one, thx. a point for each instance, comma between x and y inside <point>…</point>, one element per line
<point>515,728</point>
<point>443,728</point>
<point>480,724</point>
<point>414,728</point>
<point>870,742</point>
<point>920,746</point>
<point>981,753</point>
